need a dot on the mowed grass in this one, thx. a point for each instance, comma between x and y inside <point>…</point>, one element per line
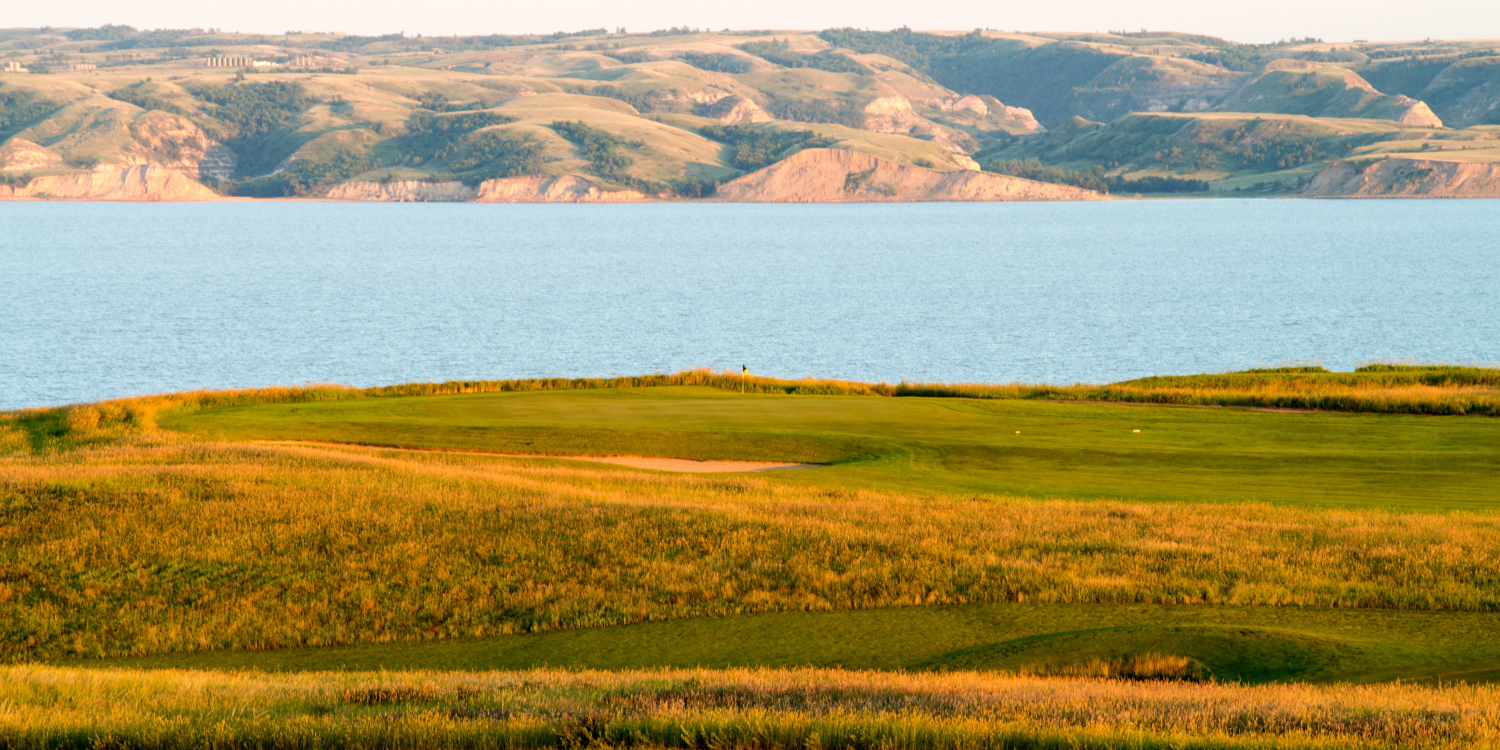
<point>703,709</point>
<point>1040,449</point>
<point>1228,644</point>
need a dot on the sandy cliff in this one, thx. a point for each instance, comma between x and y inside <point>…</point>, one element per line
<point>18,156</point>
<point>403,191</point>
<point>823,175</point>
<point>141,183</point>
<point>1399,178</point>
<point>561,189</point>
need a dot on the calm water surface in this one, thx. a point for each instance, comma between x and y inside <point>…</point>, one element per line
<point>101,300</point>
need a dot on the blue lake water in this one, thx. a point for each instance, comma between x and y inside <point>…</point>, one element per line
<point>101,300</point>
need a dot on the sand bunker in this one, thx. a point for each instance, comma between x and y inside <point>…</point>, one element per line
<point>686,465</point>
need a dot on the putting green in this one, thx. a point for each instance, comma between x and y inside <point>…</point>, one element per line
<point>1032,448</point>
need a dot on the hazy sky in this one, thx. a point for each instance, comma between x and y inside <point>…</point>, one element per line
<point>1241,20</point>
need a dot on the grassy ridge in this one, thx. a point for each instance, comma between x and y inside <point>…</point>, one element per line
<point>104,422</point>
<point>1380,388</point>
<point>49,707</point>
<point>175,548</point>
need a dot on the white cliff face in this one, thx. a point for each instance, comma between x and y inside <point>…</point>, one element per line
<point>1406,178</point>
<point>738,110</point>
<point>1417,113</point>
<point>560,189</point>
<point>173,142</point>
<point>402,191</point>
<point>822,175</point>
<point>895,115</point>
<point>138,183</point>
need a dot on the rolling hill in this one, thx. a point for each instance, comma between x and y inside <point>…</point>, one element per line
<point>119,113</point>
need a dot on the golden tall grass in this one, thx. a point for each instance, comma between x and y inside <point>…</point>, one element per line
<point>1387,389</point>
<point>141,549</point>
<point>708,710</point>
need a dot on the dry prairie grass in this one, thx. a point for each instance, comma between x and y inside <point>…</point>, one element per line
<point>1383,389</point>
<point>159,548</point>
<point>52,707</point>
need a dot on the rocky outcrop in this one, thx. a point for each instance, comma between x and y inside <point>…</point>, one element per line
<point>990,108</point>
<point>403,191</point>
<point>823,175</point>
<point>1406,178</point>
<point>1409,111</point>
<point>19,156</point>
<point>143,183</point>
<point>171,141</point>
<point>894,115</point>
<point>737,110</point>
<point>560,189</point>
<point>1321,90</point>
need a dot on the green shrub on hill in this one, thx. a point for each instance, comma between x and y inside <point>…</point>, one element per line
<point>254,120</point>
<point>779,52</point>
<point>304,176</point>
<point>601,149</point>
<point>492,155</point>
<point>756,147</point>
<point>137,95</point>
<point>20,107</point>
<point>716,62</point>
<point>431,137</point>
<point>1044,79</point>
<point>1031,169</point>
<point>1183,144</point>
<point>631,56</point>
<point>436,102</point>
<point>813,110</point>
<point>1158,184</point>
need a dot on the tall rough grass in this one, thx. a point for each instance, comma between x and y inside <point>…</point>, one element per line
<point>1386,389</point>
<point>709,710</point>
<point>145,549</point>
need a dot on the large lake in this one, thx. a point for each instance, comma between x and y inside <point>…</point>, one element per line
<point>100,300</point>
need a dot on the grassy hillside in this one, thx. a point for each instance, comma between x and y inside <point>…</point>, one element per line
<point>322,111</point>
<point>319,109</point>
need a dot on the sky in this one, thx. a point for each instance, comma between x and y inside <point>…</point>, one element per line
<point>1251,21</point>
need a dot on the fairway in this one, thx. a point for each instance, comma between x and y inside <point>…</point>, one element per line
<point>1234,644</point>
<point>1036,449</point>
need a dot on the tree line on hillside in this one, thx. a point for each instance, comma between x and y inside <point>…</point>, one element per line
<point>1094,179</point>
